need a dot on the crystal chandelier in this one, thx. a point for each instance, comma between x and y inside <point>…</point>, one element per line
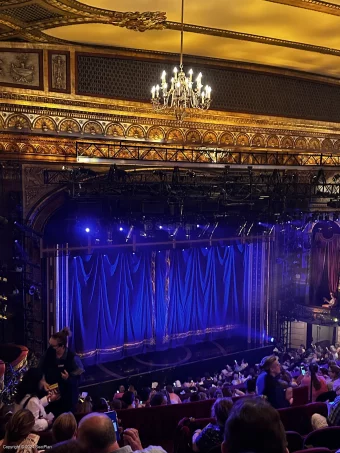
<point>182,93</point>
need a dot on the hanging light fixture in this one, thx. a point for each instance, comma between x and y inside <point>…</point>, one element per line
<point>182,93</point>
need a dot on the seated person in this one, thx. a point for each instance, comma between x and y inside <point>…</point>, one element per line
<point>254,426</point>
<point>331,302</point>
<point>333,419</point>
<point>96,434</point>
<point>158,399</point>
<point>212,435</point>
<point>319,384</point>
<point>64,427</point>
<point>174,399</point>
<point>18,435</point>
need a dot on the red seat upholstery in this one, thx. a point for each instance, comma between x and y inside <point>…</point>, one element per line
<point>299,418</point>
<point>295,441</point>
<point>300,395</point>
<point>325,437</point>
<point>157,425</point>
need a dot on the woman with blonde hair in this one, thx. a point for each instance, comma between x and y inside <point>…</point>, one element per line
<point>64,427</point>
<point>18,436</point>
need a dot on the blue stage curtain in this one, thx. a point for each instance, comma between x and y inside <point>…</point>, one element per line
<point>123,304</point>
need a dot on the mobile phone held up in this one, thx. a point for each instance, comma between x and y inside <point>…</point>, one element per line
<point>113,416</point>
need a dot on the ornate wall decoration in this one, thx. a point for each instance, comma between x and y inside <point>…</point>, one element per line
<point>175,136</point>
<point>258,141</point>
<point>287,142</point>
<point>327,145</point>
<point>210,138</point>
<point>69,126</point>
<point>59,71</point>
<point>116,130</point>
<point>21,68</point>
<point>227,139</point>
<point>314,144</point>
<point>336,145</point>
<point>301,143</point>
<point>242,140</point>
<point>140,21</point>
<point>273,141</point>
<point>45,124</point>
<point>156,133</point>
<point>93,128</point>
<point>18,122</point>
<point>135,132</point>
<point>193,137</point>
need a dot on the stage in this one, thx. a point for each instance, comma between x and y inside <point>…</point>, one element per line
<point>189,362</point>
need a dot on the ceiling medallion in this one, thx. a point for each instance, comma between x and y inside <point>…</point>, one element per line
<point>182,93</point>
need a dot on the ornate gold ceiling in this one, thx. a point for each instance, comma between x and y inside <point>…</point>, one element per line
<point>293,34</point>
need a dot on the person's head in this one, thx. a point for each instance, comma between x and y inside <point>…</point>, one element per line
<point>121,389</point>
<point>194,397</point>
<point>128,398</point>
<point>254,426</point>
<point>332,349</point>
<point>116,404</point>
<point>236,376</point>
<point>332,294</point>
<point>67,446</point>
<point>271,365</point>
<point>169,389</point>
<point>202,396</point>
<point>221,410</point>
<point>158,399</point>
<point>29,384</point>
<point>131,388</point>
<point>251,386</point>
<point>19,427</point>
<point>144,394</point>
<point>64,427</point>
<point>96,433</point>
<point>334,372</point>
<point>58,340</point>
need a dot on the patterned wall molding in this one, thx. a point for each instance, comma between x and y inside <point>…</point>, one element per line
<point>313,5</point>
<point>21,68</point>
<point>59,71</point>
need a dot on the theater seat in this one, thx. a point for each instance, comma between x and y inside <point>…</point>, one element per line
<point>299,418</point>
<point>325,437</point>
<point>184,432</point>
<point>295,441</point>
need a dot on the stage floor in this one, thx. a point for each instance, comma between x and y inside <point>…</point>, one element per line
<point>182,363</point>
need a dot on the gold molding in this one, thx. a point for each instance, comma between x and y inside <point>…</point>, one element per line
<point>222,33</point>
<point>313,5</point>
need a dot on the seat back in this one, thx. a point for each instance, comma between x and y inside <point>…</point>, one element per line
<point>325,437</point>
<point>294,440</point>
<point>315,450</point>
<point>299,418</point>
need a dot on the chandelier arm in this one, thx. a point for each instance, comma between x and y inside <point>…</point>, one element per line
<point>182,33</point>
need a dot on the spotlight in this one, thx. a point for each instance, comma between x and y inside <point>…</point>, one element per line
<point>335,320</point>
<point>272,339</point>
<point>197,226</point>
<point>87,230</point>
<point>120,228</point>
<point>160,227</point>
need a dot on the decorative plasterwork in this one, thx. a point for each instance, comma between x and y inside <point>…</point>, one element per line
<point>314,5</point>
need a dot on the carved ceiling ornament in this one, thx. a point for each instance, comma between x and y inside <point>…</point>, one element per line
<point>140,21</point>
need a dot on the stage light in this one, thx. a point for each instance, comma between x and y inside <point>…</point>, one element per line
<point>198,226</point>
<point>335,320</point>
<point>16,241</point>
<point>160,227</point>
<point>87,230</point>
<point>272,339</point>
<point>120,228</point>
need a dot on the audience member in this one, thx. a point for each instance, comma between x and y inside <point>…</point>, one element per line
<point>96,434</point>
<point>18,435</point>
<point>128,400</point>
<point>174,399</point>
<point>269,386</point>
<point>334,374</point>
<point>68,446</point>
<point>319,385</point>
<point>120,392</point>
<point>254,426</point>
<point>212,435</point>
<point>64,427</point>
<point>158,399</point>
<point>26,398</point>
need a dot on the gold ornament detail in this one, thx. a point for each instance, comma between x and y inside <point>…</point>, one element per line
<point>135,132</point>
<point>314,144</point>
<point>258,141</point>
<point>45,124</point>
<point>287,142</point>
<point>327,145</point>
<point>210,138</point>
<point>227,139</point>
<point>242,140</point>
<point>137,21</point>
<point>69,126</point>
<point>156,133</point>
<point>301,143</point>
<point>273,141</point>
<point>115,129</point>
<point>193,137</point>
<point>93,128</point>
<point>175,136</point>
<point>18,122</point>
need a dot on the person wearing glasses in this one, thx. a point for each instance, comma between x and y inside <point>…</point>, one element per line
<point>61,370</point>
